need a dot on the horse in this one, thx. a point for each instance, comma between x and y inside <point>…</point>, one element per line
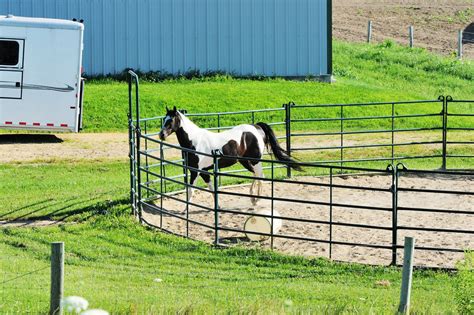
<point>242,141</point>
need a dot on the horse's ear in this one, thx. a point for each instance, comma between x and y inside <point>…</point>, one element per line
<point>167,110</point>
<point>174,109</point>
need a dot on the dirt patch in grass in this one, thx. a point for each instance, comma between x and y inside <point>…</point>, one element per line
<point>436,23</point>
<point>114,146</point>
<point>83,146</point>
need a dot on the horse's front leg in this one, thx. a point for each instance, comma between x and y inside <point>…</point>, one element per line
<point>207,180</point>
<point>190,189</point>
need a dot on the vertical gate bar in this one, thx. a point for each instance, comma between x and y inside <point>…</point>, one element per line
<point>146,163</point>
<point>288,134</point>
<point>342,137</point>
<point>445,131</point>
<point>161,183</point>
<point>272,205</point>
<point>131,144</point>
<point>134,170</point>
<point>216,198</point>
<point>163,160</point>
<point>219,130</point>
<point>330,212</point>
<point>187,187</point>
<point>393,132</point>
<point>394,213</point>
<point>139,190</point>
<point>138,136</point>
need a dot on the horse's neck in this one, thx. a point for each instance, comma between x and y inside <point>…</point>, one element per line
<point>188,132</point>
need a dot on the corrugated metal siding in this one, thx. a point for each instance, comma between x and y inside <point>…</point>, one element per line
<point>245,37</point>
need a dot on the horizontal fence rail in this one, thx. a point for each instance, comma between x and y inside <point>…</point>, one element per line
<point>347,200</point>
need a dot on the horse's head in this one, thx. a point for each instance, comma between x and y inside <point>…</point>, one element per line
<point>171,123</point>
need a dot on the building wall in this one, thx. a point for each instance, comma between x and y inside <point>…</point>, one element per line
<point>244,37</point>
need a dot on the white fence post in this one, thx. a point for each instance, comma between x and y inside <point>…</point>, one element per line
<point>407,275</point>
<point>410,31</point>
<point>57,278</point>
<point>460,44</point>
<point>369,32</point>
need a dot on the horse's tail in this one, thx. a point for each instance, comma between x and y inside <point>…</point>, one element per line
<point>281,155</point>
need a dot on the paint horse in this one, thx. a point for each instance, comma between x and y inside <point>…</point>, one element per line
<point>246,141</point>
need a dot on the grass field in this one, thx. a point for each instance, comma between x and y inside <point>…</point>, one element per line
<point>364,73</point>
<point>113,262</point>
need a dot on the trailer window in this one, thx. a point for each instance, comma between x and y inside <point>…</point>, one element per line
<point>9,52</point>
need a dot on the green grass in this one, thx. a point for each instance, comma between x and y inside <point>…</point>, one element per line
<point>364,73</point>
<point>64,190</point>
<point>464,293</point>
<point>112,262</point>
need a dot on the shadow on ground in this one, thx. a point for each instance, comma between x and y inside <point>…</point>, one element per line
<point>61,211</point>
<point>29,138</point>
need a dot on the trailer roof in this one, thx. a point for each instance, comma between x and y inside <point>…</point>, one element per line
<point>18,21</point>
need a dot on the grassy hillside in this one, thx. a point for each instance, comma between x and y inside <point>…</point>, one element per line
<point>115,263</point>
<point>364,73</point>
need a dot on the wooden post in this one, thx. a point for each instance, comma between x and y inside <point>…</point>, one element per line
<point>407,275</point>
<point>460,44</point>
<point>410,31</point>
<point>369,32</point>
<point>57,278</point>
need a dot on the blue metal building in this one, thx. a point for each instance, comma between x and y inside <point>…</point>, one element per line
<point>290,38</point>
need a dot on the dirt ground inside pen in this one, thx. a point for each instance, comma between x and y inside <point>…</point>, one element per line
<point>436,23</point>
<point>340,214</point>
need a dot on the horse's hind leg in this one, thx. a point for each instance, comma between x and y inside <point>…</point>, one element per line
<point>258,173</point>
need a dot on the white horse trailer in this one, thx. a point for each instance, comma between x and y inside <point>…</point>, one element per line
<point>40,74</point>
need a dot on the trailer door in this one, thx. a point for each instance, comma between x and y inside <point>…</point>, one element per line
<point>11,68</point>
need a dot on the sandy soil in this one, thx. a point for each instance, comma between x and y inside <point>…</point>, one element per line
<point>99,146</point>
<point>320,231</point>
<point>436,23</point>
<point>47,147</point>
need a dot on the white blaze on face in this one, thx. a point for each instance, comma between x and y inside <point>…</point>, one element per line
<point>167,118</point>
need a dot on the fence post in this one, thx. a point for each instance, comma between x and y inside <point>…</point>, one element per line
<point>410,33</point>
<point>57,278</point>
<point>445,129</point>
<point>460,44</point>
<point>288,133</point>
<point>407,274</point>
<point>369,32</point>
<point>330,210</point>
<point>394,190</point>
<point>216,196</point>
